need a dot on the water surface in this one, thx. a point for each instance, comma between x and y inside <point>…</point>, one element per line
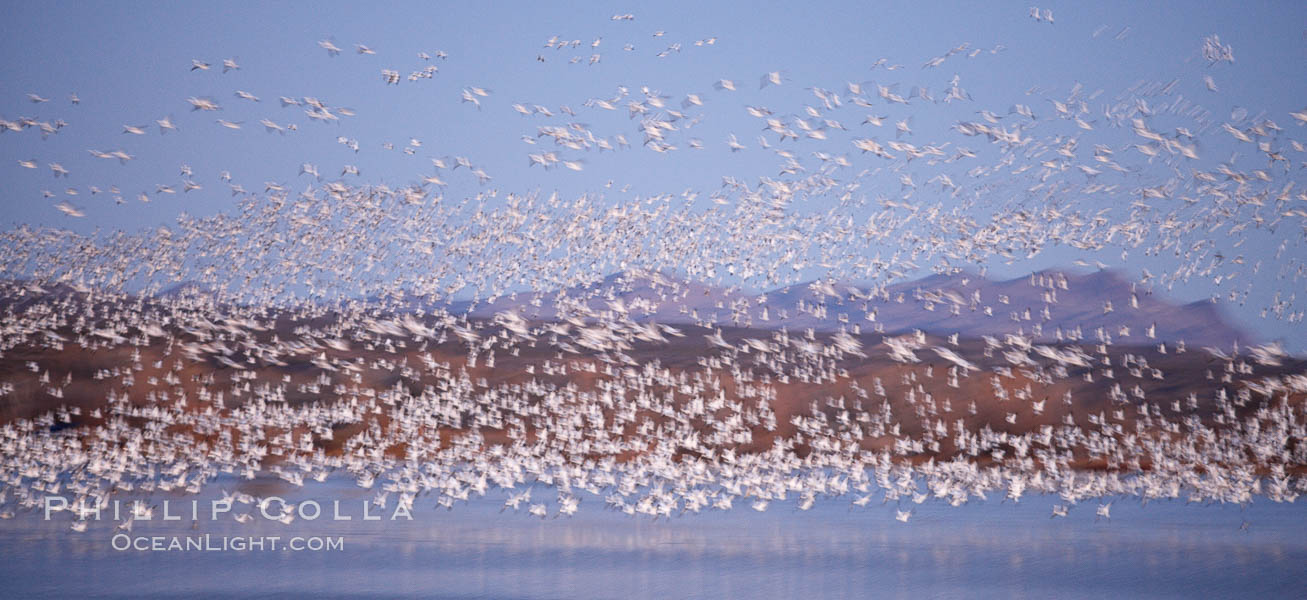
<point>834,550</point>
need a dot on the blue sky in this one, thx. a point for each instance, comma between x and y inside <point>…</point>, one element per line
<point>130,64</point>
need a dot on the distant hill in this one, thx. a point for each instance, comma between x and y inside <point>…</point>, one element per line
<point>1043,305</point>
<point>1046,306</point>
<point>1040,305</point>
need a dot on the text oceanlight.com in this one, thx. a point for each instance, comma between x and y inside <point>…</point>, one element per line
<point>210,543</point>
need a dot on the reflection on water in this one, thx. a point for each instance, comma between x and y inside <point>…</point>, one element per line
<point>834,550</point>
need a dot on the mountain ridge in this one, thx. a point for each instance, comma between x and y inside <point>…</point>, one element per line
<point>1053,304</point>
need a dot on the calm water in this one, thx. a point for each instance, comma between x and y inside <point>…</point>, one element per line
<point>982,550</point>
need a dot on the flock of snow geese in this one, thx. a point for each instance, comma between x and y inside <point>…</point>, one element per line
<point>328,332</point>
